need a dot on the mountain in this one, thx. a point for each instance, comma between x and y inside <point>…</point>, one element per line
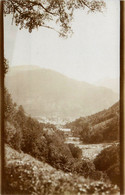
<point>44,92</point>
<point>98,128</point>
<point>111,83</point>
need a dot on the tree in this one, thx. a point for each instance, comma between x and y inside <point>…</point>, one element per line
<point>85,130</point>
<point>9,106</point>
<point>6,66</point>
<point>31,14</point>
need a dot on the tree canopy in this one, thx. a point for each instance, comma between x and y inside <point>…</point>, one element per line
<point>31,14</point>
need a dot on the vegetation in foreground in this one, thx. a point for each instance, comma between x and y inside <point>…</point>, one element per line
<point>26,175</point>
<point>108,161</point>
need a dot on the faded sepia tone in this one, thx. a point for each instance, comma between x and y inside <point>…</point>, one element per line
<point>61,97</point>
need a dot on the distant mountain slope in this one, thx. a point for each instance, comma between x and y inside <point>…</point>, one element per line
<point>44,92</point>
<point>112,84</point>
<point>99,127</point>
<point>104,115</point>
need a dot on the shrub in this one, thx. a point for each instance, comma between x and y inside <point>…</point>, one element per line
<point>58,152</point>
<point>114,173</point>
<point>76,151</point>
<point>108,161</point>
<point>13,136</point>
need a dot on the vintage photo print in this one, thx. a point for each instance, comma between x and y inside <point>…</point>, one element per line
<point>61,97</point>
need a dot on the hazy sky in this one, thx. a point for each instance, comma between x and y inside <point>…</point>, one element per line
<point>91,54</point>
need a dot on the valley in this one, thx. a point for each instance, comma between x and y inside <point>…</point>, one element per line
<point>64,148</point>
<point>68,126</point>
<point>89,151</point>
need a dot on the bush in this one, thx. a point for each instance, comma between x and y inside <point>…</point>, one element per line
<point>58,152</point>
<point>108,160</point>
<point>114,173</point>
<point>76,151</point>
<point>12,136</point>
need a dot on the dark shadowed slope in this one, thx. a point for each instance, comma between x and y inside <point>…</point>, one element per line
<point>44,92</point>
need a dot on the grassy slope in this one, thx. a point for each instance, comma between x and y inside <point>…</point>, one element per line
<point>26,175</point>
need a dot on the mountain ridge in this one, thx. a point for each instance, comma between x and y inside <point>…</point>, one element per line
<point>55,93</point>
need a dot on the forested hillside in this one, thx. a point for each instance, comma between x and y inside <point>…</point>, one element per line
<point>98,128</point>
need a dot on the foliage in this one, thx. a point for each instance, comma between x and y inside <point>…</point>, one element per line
<point>114,173</point>
<point>31,14</point>
<point>26,175</point>
<point>84,168</point>
<point>108,160</point>
<point>59,152</point>
<point>76,151</point>
<point>12,136</point>
<point>42,141</point>
<point>6,66</point>
<point>9,106</point>
<point>25,127</point>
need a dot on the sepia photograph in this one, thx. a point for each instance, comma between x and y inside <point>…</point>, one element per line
<point>61,97</point>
